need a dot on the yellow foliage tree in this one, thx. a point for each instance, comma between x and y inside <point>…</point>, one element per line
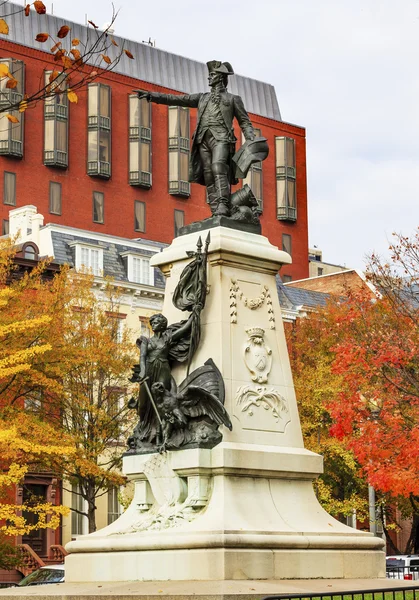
<point>64,363</point>
<point>97,354</point>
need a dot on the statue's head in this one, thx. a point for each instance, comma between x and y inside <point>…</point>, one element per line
<point>218,72</point>
<point>158,322</point>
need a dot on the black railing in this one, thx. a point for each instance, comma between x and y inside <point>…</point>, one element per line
<point>396,593</point>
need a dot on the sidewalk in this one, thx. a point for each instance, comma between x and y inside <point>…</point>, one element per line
<point>199,590</point>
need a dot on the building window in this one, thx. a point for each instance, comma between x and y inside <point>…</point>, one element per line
<point>286,278</point>
<point>145,328</point>
<point>56,122</point>
<point>118,324</point>
<point>179,221</point>
<point>88,257</point>
<point>179,151</point>
<point>114,508</point>
<point>5,227</point>
<point>54,198</point>
<point>139,142</point>
<point>32,402</point>
<point>78,521</point>
<point>319,271</point>
<point>99,130</point>
<point>11,134</point>
<point>29,251</point>
<point>98,207</point>
<point>139,216</point>
<point>141,270</point>
<point>254,177</point>
<point>138,268</point>
<point>9,191</point>
<point>285,179</point>
<point>287,243</point>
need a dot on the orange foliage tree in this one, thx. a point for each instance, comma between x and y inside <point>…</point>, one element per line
<point>378,359</point>
<point>340,489</point>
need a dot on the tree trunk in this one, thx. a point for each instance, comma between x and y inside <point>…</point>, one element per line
<point>91,506</point>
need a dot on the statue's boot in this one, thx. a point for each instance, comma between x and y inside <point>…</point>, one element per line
<point>212,197</point>
<point>222,188</point>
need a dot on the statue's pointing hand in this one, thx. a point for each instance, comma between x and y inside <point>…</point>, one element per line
<point>143,95</point>
<point>149,96</point>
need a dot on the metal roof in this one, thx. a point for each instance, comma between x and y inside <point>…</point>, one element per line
<point>150,64</point>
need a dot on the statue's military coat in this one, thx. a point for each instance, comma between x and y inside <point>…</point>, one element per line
<point>230,106</point>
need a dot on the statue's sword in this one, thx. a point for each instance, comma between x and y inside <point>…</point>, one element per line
<point>150,395</point>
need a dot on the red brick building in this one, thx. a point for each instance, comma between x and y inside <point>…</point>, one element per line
<point>115,164</point>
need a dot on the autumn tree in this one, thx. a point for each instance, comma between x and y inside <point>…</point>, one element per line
<point>26,443</point>
<point>378,359</point>
<point>64,363</point>
<point>311,340</point>
<point>96,357</point>
<point>73,62</point>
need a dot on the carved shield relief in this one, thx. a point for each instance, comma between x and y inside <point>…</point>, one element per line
<point>257,355</point>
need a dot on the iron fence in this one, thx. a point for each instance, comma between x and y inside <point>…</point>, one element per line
<point>396,593</point>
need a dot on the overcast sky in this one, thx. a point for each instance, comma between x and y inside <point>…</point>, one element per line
<point>347,70</point>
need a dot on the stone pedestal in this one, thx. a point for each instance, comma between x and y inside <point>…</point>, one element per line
<point>246,508</point>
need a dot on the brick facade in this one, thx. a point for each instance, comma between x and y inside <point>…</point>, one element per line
<point>33,177</point>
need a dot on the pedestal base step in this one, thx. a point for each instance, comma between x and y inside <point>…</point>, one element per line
<point>224,564</point>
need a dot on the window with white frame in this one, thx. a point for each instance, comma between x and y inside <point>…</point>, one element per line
<point>89,258</point>
<point>79,523</point>
<point>114,507</point>
<point>139,269</point>
<point>118,326</point>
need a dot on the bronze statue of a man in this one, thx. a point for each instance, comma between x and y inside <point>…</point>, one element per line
<point>213,141</point>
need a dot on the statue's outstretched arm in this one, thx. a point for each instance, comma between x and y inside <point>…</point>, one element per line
<point>186,100</point>
<point>184,329</point>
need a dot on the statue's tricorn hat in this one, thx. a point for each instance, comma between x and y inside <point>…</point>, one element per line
<point>251,151</point>
<point>215,66</point>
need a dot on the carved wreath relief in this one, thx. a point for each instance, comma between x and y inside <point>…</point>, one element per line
<point>250,303</point>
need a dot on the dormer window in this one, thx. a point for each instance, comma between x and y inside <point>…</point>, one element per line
<point>138,268</point>
<point>88,257</point>
<point>29,252</point>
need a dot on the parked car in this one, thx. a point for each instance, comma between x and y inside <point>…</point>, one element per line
<point>48,574</point>
<point>404,566</point>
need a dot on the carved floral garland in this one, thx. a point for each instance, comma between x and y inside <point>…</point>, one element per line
<point>251,303</point>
